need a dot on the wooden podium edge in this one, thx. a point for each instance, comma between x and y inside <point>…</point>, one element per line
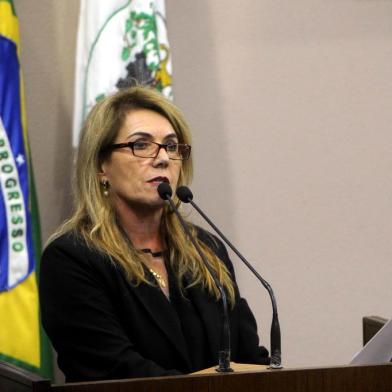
<point>347,378</point>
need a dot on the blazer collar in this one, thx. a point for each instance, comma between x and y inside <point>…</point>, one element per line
<point>210,312</point>
<point>162,312</point>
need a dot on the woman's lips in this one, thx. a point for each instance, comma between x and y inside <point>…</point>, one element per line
<point>158,180</point>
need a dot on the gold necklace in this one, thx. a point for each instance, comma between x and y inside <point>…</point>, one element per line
<point>158,277</point>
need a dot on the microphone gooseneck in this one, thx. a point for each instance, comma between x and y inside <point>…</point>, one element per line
<point>186,196</point>
<point>165,192</point>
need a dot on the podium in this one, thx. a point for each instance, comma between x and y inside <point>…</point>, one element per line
<point>369,378</point>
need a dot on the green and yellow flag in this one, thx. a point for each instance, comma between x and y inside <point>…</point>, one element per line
<point>22,341</point>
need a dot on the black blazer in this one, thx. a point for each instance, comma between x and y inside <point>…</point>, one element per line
<point>103,327</point>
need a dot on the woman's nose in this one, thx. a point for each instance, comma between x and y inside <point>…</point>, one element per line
<point>162,156</point>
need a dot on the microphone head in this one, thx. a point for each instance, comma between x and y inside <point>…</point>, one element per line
<point>165,191</point>
<point>184,194</point>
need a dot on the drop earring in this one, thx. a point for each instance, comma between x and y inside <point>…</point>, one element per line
<point>105,185</point>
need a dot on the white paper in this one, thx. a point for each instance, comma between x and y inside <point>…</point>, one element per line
<point>378,349</point>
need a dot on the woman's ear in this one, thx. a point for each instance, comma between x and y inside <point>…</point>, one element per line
<point>102,172</point>
<point>102,177</point>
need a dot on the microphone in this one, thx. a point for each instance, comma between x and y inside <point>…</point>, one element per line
<point>186,196</point>
<point>165,192</point>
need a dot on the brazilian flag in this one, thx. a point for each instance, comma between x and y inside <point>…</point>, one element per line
<point>22,341</point>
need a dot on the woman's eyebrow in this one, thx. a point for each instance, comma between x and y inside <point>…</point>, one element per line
<point>148,135</point>
<point>140,133</point>
<point>171,136</point>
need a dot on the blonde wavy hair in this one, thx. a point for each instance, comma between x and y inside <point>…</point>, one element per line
<point>94,217</point>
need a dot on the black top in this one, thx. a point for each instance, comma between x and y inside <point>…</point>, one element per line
<point>104,327</point>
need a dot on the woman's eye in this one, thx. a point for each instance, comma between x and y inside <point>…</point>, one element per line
<point>140,145</point>
<point>172,147</point>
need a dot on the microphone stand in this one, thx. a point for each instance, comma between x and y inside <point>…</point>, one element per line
<point>165,193</point>
<point>276,356</point>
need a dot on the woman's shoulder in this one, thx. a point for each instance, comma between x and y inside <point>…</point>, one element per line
<point>207,237</point>
<point>70,240</point>
<point>70,245</point>
<point>213,242</point>
<point>70,254</point>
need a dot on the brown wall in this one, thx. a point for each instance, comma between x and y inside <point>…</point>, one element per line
<point>290,106</point>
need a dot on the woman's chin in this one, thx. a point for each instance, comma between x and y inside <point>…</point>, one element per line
<point>154,202</point>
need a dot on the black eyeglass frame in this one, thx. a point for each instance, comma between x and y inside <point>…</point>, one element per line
<point>131,145</point>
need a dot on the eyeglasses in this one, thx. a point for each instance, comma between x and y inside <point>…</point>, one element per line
<point>175,151</point>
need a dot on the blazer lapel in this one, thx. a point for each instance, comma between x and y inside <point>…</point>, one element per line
<point>162,312</point>
<point>210,312</point>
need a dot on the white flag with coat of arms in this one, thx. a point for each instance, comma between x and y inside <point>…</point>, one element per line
<point>119,42</point>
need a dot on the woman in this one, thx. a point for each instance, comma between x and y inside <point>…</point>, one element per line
<point>123,292</point>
